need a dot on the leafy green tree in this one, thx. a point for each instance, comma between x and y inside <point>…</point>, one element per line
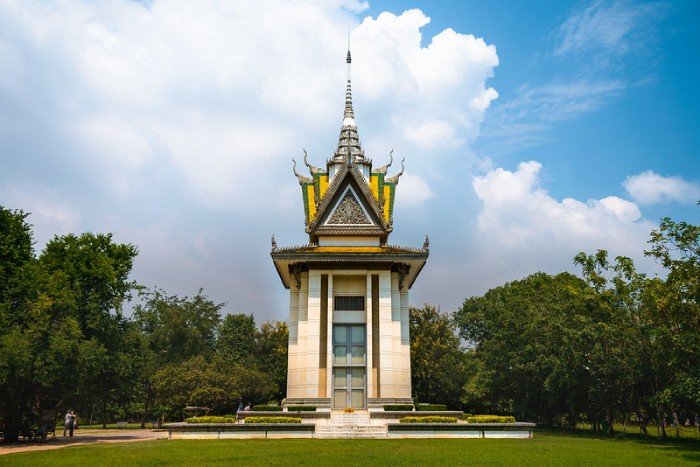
<point>218,384</point>
<point>91,272</point>
<point>61,333</point>
<point>237,338</point>
<point>437,360</point>
<point>271,349</point>
<point>673,313</point>
<point>175,330</point>
<point>527,352</point>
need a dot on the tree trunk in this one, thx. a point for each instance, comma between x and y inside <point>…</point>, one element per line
<point>676,424</point>
<point>662,420</point>
<point>13,424</point>
<point>146,405</point>
<point>642,422</point>
<point>572,418</point>
<point>609,418</point>
<point>104,413</point>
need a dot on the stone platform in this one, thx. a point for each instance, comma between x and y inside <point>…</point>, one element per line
<point>356,425</point>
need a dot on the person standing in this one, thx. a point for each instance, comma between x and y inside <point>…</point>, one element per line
<point>69,423</point>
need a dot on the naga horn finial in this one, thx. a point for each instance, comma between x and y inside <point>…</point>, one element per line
<point>383,169</point>
<point>395,178</point>
<point>302,179</point>
<point>314,170</point>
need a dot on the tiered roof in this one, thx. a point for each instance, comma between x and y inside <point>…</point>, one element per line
<point>324,191</point>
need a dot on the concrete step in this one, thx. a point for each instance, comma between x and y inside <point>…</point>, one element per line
<point>354,431</point>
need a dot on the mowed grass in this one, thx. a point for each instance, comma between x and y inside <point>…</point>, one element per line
<point>544,449</point>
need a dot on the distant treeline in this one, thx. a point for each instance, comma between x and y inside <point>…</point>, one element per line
<point>553,349</point>
<point>614,345</point>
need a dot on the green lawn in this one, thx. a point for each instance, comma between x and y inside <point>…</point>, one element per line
<point>545,449</point>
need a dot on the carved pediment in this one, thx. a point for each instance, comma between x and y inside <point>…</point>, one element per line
<point>348,212</point>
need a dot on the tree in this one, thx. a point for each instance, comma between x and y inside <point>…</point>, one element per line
<point>437,360</point>
<point>218,384</point>
<point>673,311</point>
<point>61,330</point>
<point>237,338</point>
<point>527,352</point>
<point>175,329</point>
<point>91,273</point>
<point>271,349</point>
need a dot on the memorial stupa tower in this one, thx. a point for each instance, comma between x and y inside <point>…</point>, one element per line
<point>349,343</point>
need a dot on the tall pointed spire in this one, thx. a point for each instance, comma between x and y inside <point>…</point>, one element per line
<point>349,115</point>
<point>349,141</point>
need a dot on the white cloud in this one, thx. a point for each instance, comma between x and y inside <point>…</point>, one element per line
<point>651,188</point>
<point>172,122</point>
<point>50,213</point>
<point>523,229</point>
<point>610,27</point>
<point>414,190</point>
<point>217,90</point>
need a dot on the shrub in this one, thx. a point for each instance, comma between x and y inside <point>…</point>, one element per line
<point>213,419</point>
<point>491,419</point>
<point>301,408</point>
<point>267,408</point>
<point>398,408</point>
<point>431,407</point>
<point>273,420</point>
<point>428,419</point>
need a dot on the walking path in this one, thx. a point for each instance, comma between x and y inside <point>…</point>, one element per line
<point>84,437</point>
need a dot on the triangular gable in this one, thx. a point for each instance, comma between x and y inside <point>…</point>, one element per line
<point>349,180</point>
<point>348,211</point>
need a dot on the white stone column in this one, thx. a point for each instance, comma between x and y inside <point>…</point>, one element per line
<point>293,375</point>
<point>313,329</point>
<point>297,365</point>
<point>369,389</point>
<point>329,341</point>
<point>404,370</point>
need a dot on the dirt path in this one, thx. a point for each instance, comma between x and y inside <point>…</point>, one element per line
<point>83,437</point>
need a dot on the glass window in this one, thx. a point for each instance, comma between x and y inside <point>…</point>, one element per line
<point>340,334</point>
<point>358,354</point>
<point>349,303</point>
<point>340,354</point>
<point>358,378</point>
<point>358,334</point>
<point>358,398</point>
<point>340,397</point>
<point>341,379</point>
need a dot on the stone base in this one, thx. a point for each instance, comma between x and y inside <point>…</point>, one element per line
<point>380,402</point>
<point>319,402</point>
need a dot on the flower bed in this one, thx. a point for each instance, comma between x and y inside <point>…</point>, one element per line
<point>490,419</point>
<point>273,420</point>
<point>213,419</point>
<point>428,419</point>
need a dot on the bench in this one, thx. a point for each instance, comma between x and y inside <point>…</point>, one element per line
<point>121,425</point>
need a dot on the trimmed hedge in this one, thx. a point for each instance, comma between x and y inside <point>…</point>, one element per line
<point>213,419</point>
<point>398,408</point>
<point>431,407</point>
<point>301,408</point>
<point>273,420</point>
<point>491,419</point>
<point>428,419</point>
<point>267,408</point>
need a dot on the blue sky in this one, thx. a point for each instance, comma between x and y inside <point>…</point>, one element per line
<point>531,130</point>
<point>651,122</point>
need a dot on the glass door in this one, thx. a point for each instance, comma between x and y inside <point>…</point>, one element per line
<point>349,366</point>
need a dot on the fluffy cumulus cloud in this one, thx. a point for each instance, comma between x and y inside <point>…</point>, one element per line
<point>178,116</point>
<point>651,188</point>
<point>522,228</point>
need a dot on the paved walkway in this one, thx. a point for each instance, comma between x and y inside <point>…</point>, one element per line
<point>84,437</point>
